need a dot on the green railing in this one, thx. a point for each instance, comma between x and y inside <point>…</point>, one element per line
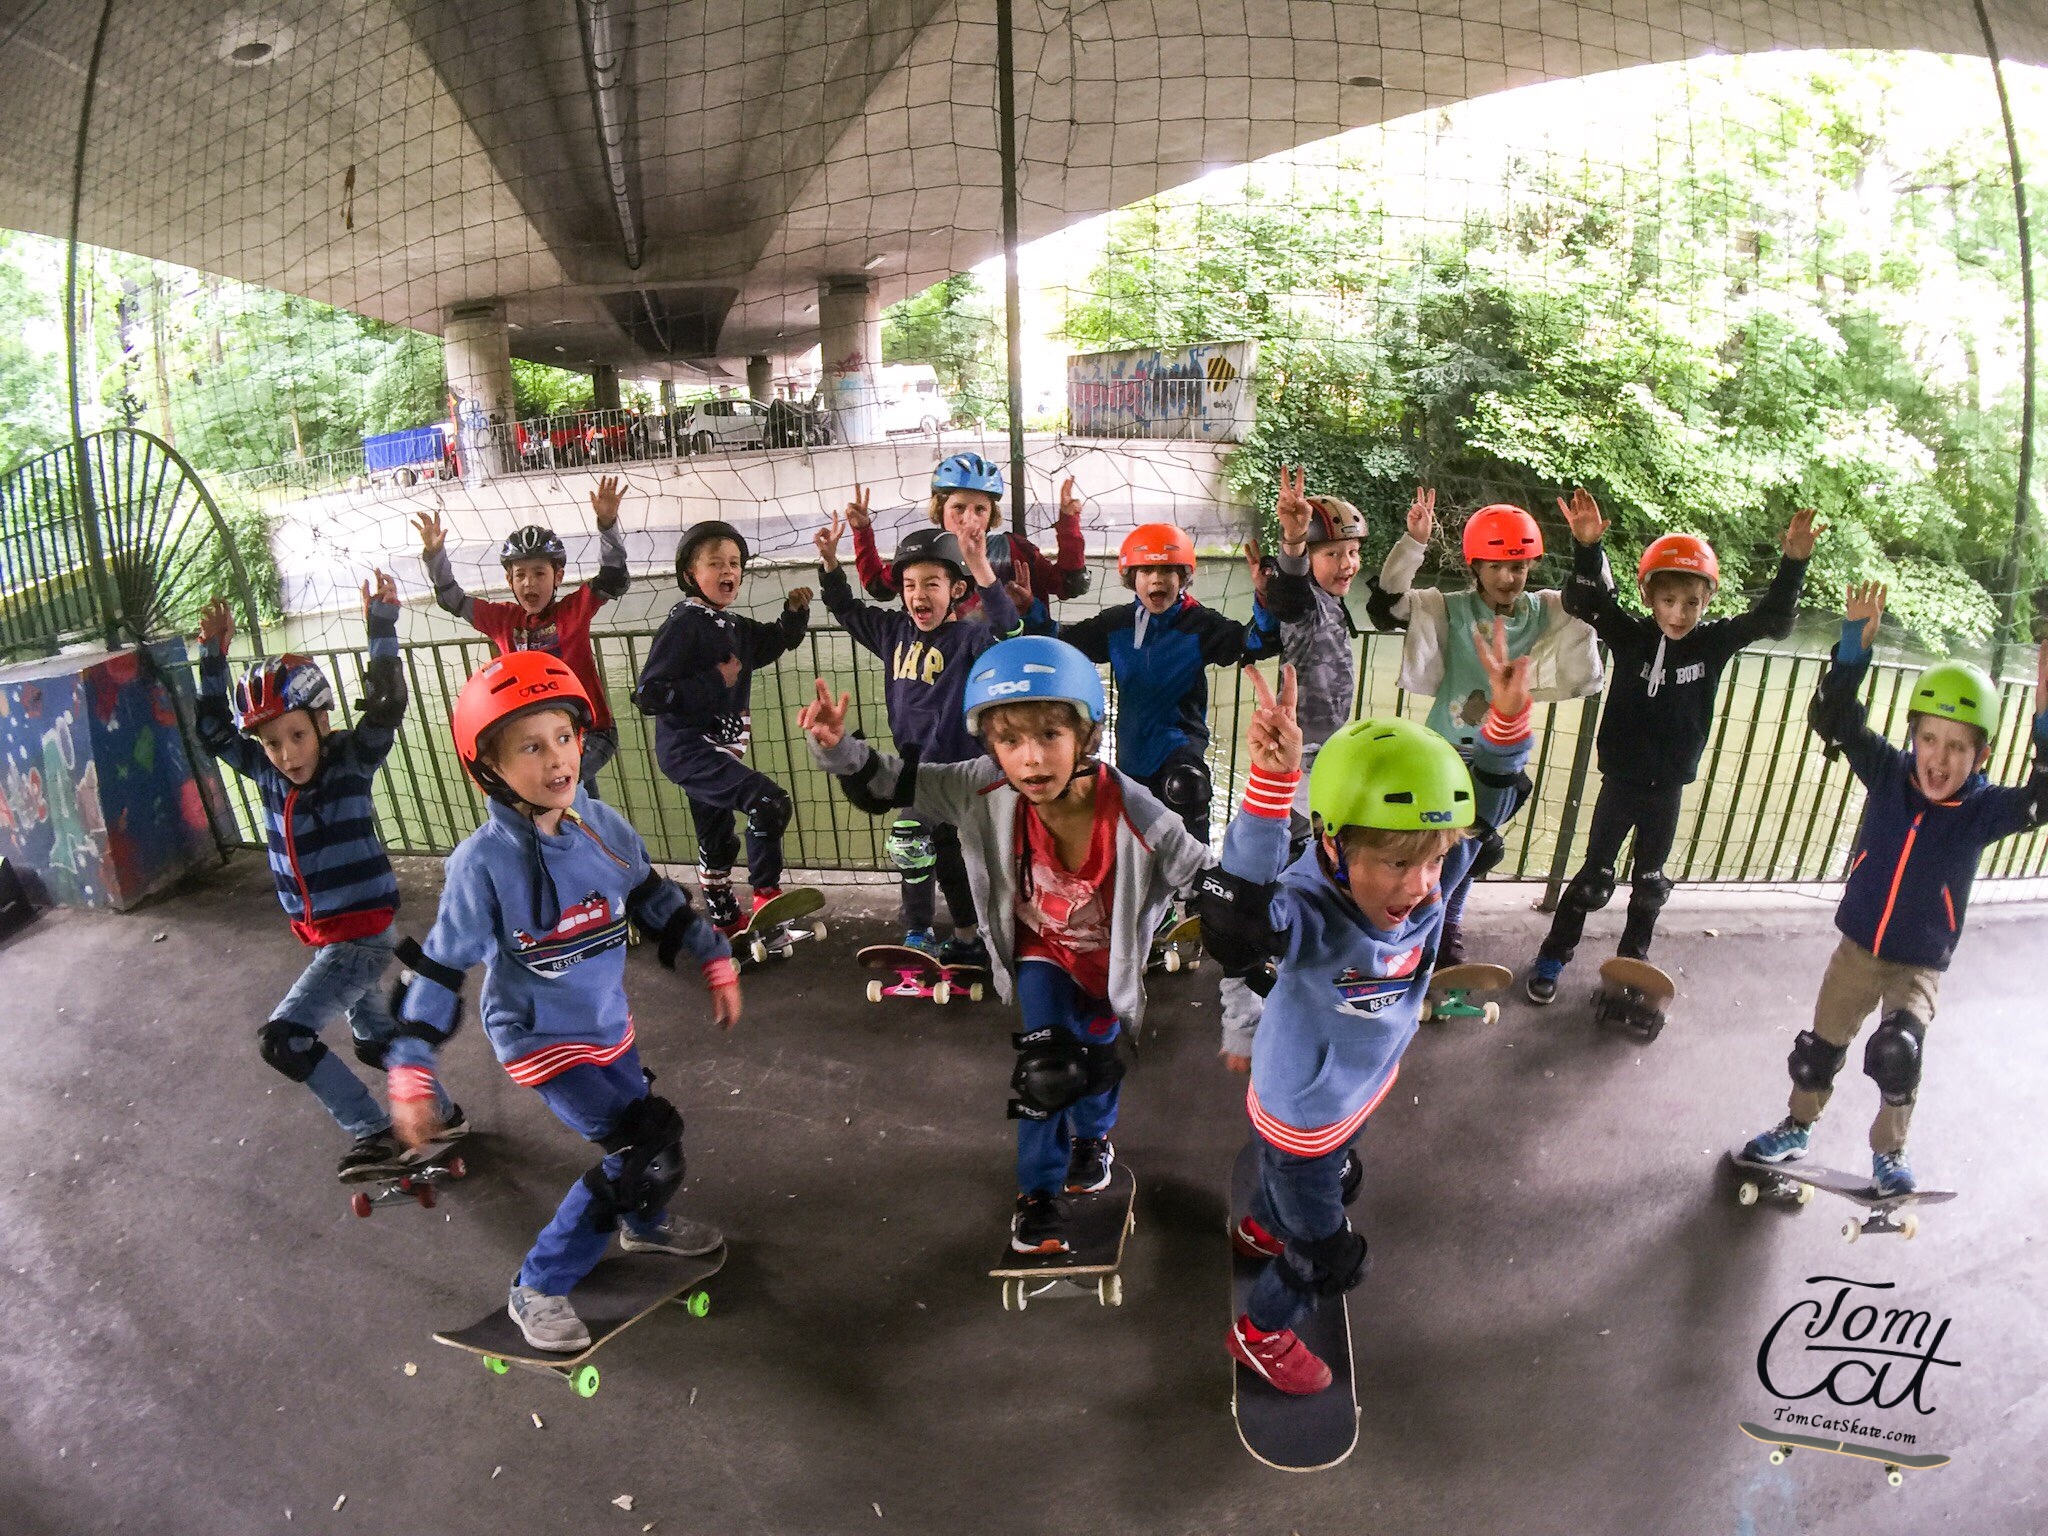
<point>1766,809</point>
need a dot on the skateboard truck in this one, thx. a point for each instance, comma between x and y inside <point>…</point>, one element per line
<point>583,1379</point>
<point>413,1184</point>
<point>1453,988</point>
<point>1633,994</point>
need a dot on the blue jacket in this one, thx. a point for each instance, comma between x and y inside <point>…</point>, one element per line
<point>692,704</point>
<point>546,916</point>
<point>1914,859</point>
<point>333,878</point>
<point>1161,670</point>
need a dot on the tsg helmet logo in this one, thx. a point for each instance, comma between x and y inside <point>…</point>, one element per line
<point>1015,685</point>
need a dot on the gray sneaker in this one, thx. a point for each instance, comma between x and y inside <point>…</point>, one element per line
<point>548,1322</point>
<point>679,1235</point>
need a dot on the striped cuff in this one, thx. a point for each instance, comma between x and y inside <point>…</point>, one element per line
<point>721,973</point>
<point>410,1085</point>
<point>1270,794</point>
<point>1501,731</point>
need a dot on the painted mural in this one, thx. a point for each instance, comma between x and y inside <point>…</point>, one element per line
<point>1167,392</point>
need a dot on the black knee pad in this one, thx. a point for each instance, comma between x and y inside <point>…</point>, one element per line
<point>1814,1063</point>
<point>370,1052</point>
<point>1892,1058</point>
<point>1341,1262</point>
<point>1590,889</point>
<point>649,1140</point>
<point>290,1048</point>
<point>767,810</point>
<point>1186,788</point>
<point>1648,892</point>
<point>1492,849</point>
<point>1353,1175</point>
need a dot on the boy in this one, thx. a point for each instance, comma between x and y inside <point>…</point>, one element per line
<point>927,649</point>
<point>333,877</point>
<point>540,618</point>
<point>1928,815</point>
<point>1159,647</point>
<point>967,493</point>
<point>1071,864</point>
<point>1500,544</point>
<point>697,683</point>
<point>540,895</point>
<point>1352,924</point>
<point>1660,705</point>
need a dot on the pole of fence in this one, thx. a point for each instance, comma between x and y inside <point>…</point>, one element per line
<point>1006,128</point>
<point>1574,796</point>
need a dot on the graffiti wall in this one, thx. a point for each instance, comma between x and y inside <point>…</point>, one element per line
<point>99,804</point>
<point>1172,392</point>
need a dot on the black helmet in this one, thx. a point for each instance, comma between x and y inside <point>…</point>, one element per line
<point>533,543</point>
<point>927,546</point>
<point>703,533</point>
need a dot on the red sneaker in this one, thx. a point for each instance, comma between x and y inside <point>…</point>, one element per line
<point>763,897</point>
<point>1280,1358</point>
<point>1254,1241</point>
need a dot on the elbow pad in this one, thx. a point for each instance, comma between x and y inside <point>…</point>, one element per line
<point>425,968</point>
<point>1379,607</point>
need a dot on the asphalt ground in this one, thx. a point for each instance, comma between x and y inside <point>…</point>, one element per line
<point>1563,1324</point>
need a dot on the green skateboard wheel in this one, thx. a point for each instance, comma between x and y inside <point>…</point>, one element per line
<point>495,1366</point>
<point>698,1303</point>
<point>585,1381</point>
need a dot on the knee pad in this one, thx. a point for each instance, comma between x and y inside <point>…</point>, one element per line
<point>1341,1261</point>
<point>649,1140</point>
<point>912,848</point>
<point>1892,1058</point>
<point>767,810</point>
<point>1492,849</point>
<point>1649,892</point>
<point>1055,1070</point>
<point>1186,787</point>
<point>370,1052</point>
<point>1814,1063</point>
<point>289,1048</point>
<point>1352,1177</point>
<point>1590,889</point>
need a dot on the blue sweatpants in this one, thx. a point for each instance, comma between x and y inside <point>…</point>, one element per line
<point>344,980</point>
<point>1048,995</point>
<point>1299,1199</point>
<point>589,1100</point>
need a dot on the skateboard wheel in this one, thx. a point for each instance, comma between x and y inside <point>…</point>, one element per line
<point>359,1203</point>
<point>496,1366</point>
<point>1428,1010</point>
<point>1195,964</point>
<point>786,951</point>
<point>974,992</point>
<point>942,993</point>
<point>1745,1193</point>
<point>1851,1230</point>
<point>424,1193</point>
<point>697,1303</point>
<point>758,951</point>
<point>457,1168</point>
<point>1172,960</point>
<point>1109,1290</point>
<point>1894,1476</point>
<point>1909,1227</point>
<point>1490,1013</point>
<point>584,1382</point>
<point>1805,1195</point>
<point>1778,1457</point>
<point>817,930</point>
<point>874,991</point>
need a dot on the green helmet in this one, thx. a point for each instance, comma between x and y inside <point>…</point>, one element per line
<point>1393,775</point>
<point>1955,690</point>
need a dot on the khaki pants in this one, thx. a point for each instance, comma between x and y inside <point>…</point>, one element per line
<point>1856,983</point>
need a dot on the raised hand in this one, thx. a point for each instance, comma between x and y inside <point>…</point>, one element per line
<point>1274,736</point>
<point>799,598</point>
<point>1019,588</point>
<point>1070,502</point>
<point>827,539</point>
<point>824,717</point>
<point>1508,677</point>
<point>604,501</point>
<point>974,555</point>
<point>1801,533</point>
<point>857,515</point>
<point>217,624</point>
<point>432,535</point>
<point>387,592</point>
<point>1583,513</point>
<point>1422,514</point>
<point>1866,602</point>
<point>1293,510</point>
<point>1255,563</point>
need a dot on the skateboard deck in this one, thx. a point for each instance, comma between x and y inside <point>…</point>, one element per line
<point>1633,994</point>
<point>1798,1181</point>
<point>778,927</point>
<point>1097,1226</point>
<point>1452,987</point>
<point>612,1298</point>
<point>413,1183</point>
<point>920,975</point>
<point>1177,948</point>
<point>1783,1445</point>
<point>1292,1433</point>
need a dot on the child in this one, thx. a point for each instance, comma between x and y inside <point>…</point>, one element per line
<point>1159,648</point>
<point>1352,923</point>
<point>967,492</point>
<point>332,875</point>
<point>1500,544</point>
<point>540,896</point>
<point>1667,670</point>
<point>927,649</point>
<point>1071,864</point>
<point>540,618</point>
<point>1928,815</point>
<point>696,683</point>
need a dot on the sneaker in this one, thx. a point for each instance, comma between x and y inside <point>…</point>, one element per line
<point>679,1235</point>
<point>1089,1161</point>
<point>923,940</point>
<point>1891,1173</point>
<point>370,1156</point>
<point>1540,985</point>
<point>1036,1228</point>
<point>1280,1358</point>
<point>1783,1143</point>
<point>1450,945</point>
<point>455,1127</point>
<point>548,1322</point>
<point>765,894</point>
<point>957,951</point>
<point>720,909</point>
<point>1254,1241</point>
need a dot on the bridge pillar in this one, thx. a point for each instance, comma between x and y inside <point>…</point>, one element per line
<point>604,387</point>
<point>760,378</point>
<point>477,354</point>
<point>850,350</point>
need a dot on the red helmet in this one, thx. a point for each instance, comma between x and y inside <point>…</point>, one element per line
<point>1502,532</point>
<point>512,685</point>
<point>1684,552</point>
<point>277,685</point>
<point>1155,544</point>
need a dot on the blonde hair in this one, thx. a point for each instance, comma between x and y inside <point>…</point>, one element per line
<point>1422,844</point>
<point>1028,716</point>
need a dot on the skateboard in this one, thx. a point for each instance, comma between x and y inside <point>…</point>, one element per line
<point>1177,947</point>
<point>776,928</point>
<point>1451,989</point>
<point>920,975</point>
<point>612,1298</point>
<point>1291,1433</point>
<point>1783,1445</point>
<point>1633,994</point>
<point>414,1183</point>
<point>1792,1181</point>
<point>1097,1226</point>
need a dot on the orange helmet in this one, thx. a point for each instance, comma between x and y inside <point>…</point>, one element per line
<point>1155,544</point>
<point>1684,552</point>
<point>1502,532</point>
<point>506,686</point>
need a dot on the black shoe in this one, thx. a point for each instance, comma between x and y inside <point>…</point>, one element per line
<point>1450,946</point>
<point>1088,1163</point>
<point>1039,1226</point>
<point>964,952</point>
<point>455,1127</point>
<point>372,1156</point>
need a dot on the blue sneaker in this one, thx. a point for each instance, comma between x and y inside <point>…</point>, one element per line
<point>1785,1142</point>
<point>1891,1173</point>
<point>922,939</point>
<point>959,951</point>
<point>1540,985</point>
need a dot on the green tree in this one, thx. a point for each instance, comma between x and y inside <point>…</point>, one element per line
<point>951,327</point>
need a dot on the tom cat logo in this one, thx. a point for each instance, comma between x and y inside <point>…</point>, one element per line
<point>1847,1341</point>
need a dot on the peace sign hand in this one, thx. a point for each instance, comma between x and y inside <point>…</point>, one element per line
<point>1274,736</point>
<point>1509,677</point>
<point>1293,510</point>
<point>824,717</point>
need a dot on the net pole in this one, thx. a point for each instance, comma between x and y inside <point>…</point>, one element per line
<point>1006,124</point>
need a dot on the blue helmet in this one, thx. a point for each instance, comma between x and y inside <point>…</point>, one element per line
<point>968,472</point>
<point>1033,667</point>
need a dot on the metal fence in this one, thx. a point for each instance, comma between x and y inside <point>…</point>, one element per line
<point>1766,809</point>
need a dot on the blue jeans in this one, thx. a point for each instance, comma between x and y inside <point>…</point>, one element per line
<point>1048,995</point>
<point>589,1100</point>
<point>1299,1199</point>
<point>345,980</point>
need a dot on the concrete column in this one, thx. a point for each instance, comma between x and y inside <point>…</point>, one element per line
<point>477,355</point>
<point>760,378</point>
<point>850,349</point>
<point>604,387</point>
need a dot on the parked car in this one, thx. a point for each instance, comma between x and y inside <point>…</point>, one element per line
<point>910,399</point>
<point>727,424</point>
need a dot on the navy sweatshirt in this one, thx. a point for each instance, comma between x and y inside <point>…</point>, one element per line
<point>681,686</point>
